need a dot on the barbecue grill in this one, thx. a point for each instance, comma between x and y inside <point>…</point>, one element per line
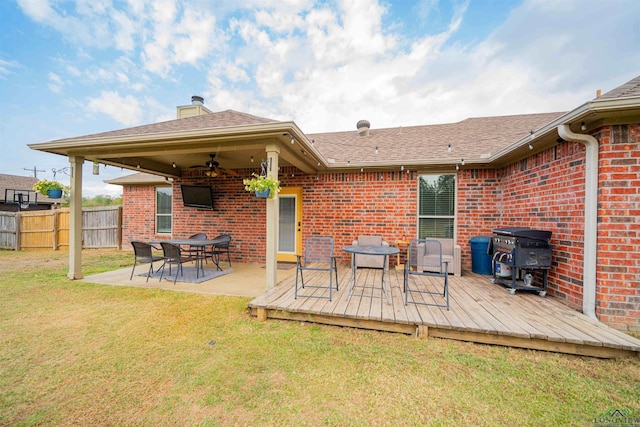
<point>518,254</point>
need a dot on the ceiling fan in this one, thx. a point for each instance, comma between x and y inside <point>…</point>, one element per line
<point>212,168</point>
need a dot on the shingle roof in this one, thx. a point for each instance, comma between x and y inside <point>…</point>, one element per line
<point>474,137</point>
<point>631,88</point>
<point>139,178</point>
<point>219,119</point>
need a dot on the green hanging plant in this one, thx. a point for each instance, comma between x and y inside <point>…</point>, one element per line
<point>44,186</point>
<point>263,186</point>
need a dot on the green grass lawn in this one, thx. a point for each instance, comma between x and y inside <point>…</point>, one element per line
<point>73,353</point>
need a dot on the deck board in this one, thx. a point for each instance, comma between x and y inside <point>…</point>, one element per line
<point>479,311</point>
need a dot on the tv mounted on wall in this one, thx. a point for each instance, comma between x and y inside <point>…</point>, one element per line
<point>197,197</point>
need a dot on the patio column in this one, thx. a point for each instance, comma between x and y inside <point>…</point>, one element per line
<point>273,219</point>
<point>75,218</point>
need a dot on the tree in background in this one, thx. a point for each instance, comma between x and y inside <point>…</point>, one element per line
<point>101,200</point>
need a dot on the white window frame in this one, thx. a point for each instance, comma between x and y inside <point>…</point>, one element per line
<point>162,215</point>
<point>454,217</point>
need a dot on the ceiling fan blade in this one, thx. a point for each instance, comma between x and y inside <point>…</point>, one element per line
<point>229,172</point>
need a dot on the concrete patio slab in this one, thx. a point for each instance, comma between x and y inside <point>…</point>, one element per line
<point>247,280</point>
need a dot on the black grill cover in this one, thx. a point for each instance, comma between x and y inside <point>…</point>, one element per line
<point>524,232</point>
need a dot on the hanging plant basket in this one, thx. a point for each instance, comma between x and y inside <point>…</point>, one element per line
<point>264,194</point>
<point>51,189</point>
<point>262,186</point>
<point>54,194</point>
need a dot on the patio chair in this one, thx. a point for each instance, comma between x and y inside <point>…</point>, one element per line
<point>143,253</point>
<point>424,258</point>
<point>370,261</point>
<point>173,255</point>
<point>193,252</point>
<point>318,256</point>
<point>220,249</point>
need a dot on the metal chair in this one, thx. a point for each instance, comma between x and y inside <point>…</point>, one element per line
<point>193,252</point>
<point>173,256</point>
<point>318,256</point>
<point>221,248</point>
<point>424,258</point>
<point>143,253</point>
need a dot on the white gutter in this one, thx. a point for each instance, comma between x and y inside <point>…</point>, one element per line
<point>590,217</point>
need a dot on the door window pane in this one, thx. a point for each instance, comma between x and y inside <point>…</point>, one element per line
<point>287,225</point>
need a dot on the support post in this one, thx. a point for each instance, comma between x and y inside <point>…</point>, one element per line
<point>75,218</point>
<point>273,218</point>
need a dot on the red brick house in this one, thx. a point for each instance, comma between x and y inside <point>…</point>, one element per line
<point>576,174</point>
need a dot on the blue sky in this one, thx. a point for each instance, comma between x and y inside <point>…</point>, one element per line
<point>71,68</point>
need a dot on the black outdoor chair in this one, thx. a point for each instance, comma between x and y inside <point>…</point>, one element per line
<point>318,256</point>
<point>143,253</point>
<point>173,255</point>
<point>221,248</point>
<point>424,258</point>
<point>193,252</point>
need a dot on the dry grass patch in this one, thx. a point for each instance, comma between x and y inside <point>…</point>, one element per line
<point>80,354</point>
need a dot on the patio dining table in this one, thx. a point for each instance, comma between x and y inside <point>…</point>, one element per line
<point>200,246</point>
<point>379,250</point>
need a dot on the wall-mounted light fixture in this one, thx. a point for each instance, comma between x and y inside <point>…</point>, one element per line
<point>583,126</point>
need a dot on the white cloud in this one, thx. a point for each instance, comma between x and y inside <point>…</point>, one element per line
<point>55,83</point>
<point>126,110</point>
<point>328,64</point>
<point>8,67</point>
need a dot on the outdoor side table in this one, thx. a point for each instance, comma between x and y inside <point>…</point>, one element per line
<point>383,251</point>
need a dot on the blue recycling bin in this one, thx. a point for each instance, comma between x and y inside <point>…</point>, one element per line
<point>480,259</point>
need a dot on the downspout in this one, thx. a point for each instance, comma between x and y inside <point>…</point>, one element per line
<point>590,216</point>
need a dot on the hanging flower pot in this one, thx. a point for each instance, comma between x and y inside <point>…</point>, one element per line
<point>263,194</point>
<point>263,186</point>
<point>51,189</point>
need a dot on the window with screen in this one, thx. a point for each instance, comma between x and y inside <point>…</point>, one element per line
<point>436,206</point>
<point>163,209</point>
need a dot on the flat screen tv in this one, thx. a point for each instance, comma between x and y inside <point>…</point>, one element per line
<point>197,197</point>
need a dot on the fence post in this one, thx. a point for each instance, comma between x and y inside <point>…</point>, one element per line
<point>18,221</point>
<point>119,229</point>
<point>56,244</point>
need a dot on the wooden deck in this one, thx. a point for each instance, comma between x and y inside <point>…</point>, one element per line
<point>480,312</point>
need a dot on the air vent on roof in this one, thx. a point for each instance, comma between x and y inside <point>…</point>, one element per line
<point>197,100</point>
<point>363,127</point>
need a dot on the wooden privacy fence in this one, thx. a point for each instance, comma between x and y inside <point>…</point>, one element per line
<point>49,229</point>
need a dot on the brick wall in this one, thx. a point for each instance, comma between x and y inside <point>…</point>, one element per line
<point>618,269</point>
<point>347,205</point>
<point>138,214</point>
<point>546,191</point>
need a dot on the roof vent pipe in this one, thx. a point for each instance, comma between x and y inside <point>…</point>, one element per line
<point>197,100</point>
<point>590,217</point>
<point>363,127</point>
